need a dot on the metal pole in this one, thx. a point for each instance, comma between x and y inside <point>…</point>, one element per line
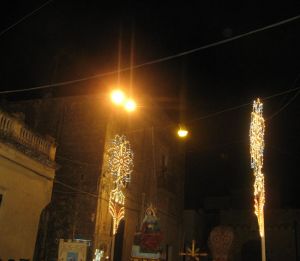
<point>263,242</point>
<point>112,249</point>
<point>263,248</point>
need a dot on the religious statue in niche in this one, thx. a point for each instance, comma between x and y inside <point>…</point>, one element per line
<point>150,232</point>
<point>147,241</point>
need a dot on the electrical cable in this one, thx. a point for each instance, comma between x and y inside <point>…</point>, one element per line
<point>199,118</point>
<point>284,106</point>
<point>244,105</point>
<point>96,196</point>
<point>88,193</point>
<point>25,17</point>
<point>156,61</point>
<point>77,161</point>
<point>205,117</point>
<point>75,189</point>
<point>289,101</point>
<point>221,111</point>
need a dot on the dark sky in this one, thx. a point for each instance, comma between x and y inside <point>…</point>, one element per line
<point>67,40</point>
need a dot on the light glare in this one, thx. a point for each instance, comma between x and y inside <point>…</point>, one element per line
<point>182,133</point>
<point>130,105</point>
<point>118,97</point>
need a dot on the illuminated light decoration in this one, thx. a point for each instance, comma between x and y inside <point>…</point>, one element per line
<point>117,196</point>
<point>120,161</point>
<point>257,129</point>
<point>192,252</point>
<point>182,132</point>
<point>117,212</point>
<point>118,97</point>
<point>130,105</point>
<point>98,255</point>
<point>120,166</point>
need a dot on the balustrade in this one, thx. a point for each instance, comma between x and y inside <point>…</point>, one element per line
<point>16,130</point>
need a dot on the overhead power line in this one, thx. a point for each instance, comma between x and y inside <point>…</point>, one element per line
<point>198,119</point>
<point>79,191</point>
<point>289,101</point>
<point>247,104</point>
<point>25,17</point>
<point>76,190</point>
<point>156,61</point>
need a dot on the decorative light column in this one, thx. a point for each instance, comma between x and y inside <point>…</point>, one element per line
<point>257,129</point>
<point>120,165</point>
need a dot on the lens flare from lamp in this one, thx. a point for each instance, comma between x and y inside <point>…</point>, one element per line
<point>130,105</point>
<point>182,133</point>
<point>118,97</point>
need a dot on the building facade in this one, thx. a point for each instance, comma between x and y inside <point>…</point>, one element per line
<point>27,170</point>
<point>281,230</point>
<point>83,127</point>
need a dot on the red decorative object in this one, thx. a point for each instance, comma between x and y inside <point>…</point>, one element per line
<point>150,242</point>
<point>220,242</point>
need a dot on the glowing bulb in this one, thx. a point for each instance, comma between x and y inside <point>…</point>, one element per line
<point>130,105</point>
<point>117,97</point>
<point>182,133</point>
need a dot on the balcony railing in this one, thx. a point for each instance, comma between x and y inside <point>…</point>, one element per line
<point>16,130</point>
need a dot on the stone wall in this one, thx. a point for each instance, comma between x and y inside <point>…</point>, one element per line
<point>79,125</point>
<point>156,153</point>
<point>282,234</point>
<point>82,127</point>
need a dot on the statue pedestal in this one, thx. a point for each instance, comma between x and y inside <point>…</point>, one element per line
<point>136,255</point>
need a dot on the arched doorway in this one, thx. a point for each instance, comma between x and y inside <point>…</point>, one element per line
<point>119,237</point>
<point>40,244</point>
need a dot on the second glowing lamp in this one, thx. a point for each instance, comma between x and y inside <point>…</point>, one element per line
<point>118,97</point>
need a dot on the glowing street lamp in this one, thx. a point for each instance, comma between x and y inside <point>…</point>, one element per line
<point>182,132</point>
<point>130,105</point>
<point>118,97</point>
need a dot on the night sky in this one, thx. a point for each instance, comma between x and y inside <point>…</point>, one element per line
<point>67,40</point>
